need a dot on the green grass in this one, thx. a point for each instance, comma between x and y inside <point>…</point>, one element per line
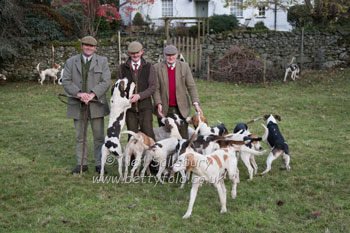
<point>37,151</point>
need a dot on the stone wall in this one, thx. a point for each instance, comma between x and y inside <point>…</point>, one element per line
<point>321,50</point>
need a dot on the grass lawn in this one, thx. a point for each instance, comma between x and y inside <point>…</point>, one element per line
<point>39,194</point>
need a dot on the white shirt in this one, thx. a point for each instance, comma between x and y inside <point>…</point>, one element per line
<point>86,59</point>
<point>171,66</point>
<point>138,64</point>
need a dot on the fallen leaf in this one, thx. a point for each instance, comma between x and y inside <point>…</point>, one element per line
<point>132,206</point>
<point>154,218</point>
<point>14,196</point>
<point>280,203</point>
<point>19,114</point>
<point>315,215</point>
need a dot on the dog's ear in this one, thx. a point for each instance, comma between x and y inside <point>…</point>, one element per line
<point>266,116</point>
<point>277,117</point>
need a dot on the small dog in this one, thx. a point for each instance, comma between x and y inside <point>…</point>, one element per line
<point>276,142</point>
<point>119,104</point>
<point>52,72</point>
<point>2,79</point>
<point>294,69</point>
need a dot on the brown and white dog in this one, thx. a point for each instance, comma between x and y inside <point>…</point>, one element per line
<point>209,169</point>
<point>138,146</point>
<point>51,72</point>
<point>198,120</point>
<point>276,142</point>
<point>119,104</point>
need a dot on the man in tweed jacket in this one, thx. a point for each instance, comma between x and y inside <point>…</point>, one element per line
<point>87,76</point>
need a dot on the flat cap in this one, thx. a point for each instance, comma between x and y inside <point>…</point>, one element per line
<point>134,47</point>
<point>170,49</point>
<point>89,40</point>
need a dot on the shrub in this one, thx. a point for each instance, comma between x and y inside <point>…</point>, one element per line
<point>260,26</point>
<point>219,23</point>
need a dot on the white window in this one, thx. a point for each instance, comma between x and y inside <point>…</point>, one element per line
<point>235,8</point>
<point>167,8</point>
<point>262,11</point>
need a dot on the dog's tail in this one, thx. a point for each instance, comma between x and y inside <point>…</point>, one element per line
<point>252,121</point>
<point>136,137</point>
<point>38,68</point>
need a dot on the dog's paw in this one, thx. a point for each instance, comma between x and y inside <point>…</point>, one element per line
<point>186,216</point>
<point>223,210</point>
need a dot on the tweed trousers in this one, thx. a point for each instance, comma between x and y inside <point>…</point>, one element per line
<point>97,126</point>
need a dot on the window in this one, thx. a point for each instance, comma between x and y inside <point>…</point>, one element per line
<point>261,11</point>
<point>235,8</point>
<point>167,8</point>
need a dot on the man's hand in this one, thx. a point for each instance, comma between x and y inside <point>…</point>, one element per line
<point>198,109</point>
<point>134,98</point>
<point>85,97</point>
<point>160,110</point>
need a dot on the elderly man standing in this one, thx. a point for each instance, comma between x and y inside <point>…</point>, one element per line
<point>142,73</point>
<point>87,77</point>
<point>174,80</point>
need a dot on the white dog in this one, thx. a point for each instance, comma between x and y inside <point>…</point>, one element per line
<point>52,72</point>
<point>119,104</point>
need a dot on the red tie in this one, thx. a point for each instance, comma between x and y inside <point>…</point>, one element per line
<point>135,69</point>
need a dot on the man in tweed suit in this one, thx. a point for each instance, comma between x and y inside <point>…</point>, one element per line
<point>87,76</point>
<point>174,80</point>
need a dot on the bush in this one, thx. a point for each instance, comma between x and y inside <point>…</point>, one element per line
<point>220,23</point>
<point>299,16</point>
<point>260,26</point>
<point>240,65</point>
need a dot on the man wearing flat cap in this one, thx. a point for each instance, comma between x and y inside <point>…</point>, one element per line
<point>142,73</point>
<point>87,77</point>
<point>174,81</point>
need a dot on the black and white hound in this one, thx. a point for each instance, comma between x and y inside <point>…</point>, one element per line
<point>119,104</point>
<point>276,142</point>
<point>294,69</point>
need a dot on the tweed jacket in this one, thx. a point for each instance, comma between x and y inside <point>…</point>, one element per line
<point>98,82</point>
<point>184,83</point>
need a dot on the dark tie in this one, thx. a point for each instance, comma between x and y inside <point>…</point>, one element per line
<point>135,68</point>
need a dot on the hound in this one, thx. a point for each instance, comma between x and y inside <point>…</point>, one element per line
<point>52,72</point>
<point>276,142</point>
<point>162,149</point>
<point>294,69</point>
<point>119,104</point>
<point>211,169</point>
<point>204,128</point>
<point>138,146</point>
<point>181,57</point>
<point>59,81</point>
<point>249,158</point>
